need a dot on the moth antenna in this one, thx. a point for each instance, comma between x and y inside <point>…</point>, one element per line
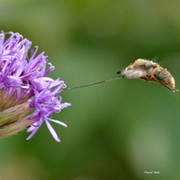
<point>119,72</point>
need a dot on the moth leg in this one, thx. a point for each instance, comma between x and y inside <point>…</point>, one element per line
<point>146,78</point>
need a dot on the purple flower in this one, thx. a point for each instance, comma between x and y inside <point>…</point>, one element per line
<point>24,87</point>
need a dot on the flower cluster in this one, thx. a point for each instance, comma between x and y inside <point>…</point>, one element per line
<point>24,87</point>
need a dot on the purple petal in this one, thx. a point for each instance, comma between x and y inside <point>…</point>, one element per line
<point>52,131</point>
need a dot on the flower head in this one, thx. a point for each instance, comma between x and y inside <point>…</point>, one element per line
<point>24,87</point>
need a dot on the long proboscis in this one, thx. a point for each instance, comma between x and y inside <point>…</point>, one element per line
<point>122,76</point>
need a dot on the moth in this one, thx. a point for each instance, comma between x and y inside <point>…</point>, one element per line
<point>146,70</point>
<point>149,71</point>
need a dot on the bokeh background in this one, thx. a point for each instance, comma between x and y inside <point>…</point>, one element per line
<point>116,130</point>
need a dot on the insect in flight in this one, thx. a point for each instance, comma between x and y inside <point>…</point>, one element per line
<point>150,71</point>
<point>146,70</point>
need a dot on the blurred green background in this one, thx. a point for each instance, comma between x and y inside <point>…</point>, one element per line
<point>116,130</point>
